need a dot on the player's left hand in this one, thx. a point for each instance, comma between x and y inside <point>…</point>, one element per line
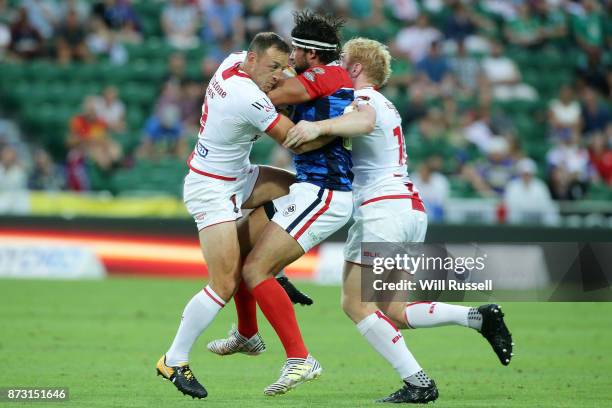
<point>301,133</point>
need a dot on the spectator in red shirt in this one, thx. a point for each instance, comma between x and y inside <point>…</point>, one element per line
<point>600,154</point>
<point>89,138</point>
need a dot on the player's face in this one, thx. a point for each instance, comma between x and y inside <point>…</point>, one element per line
<point>268,68</point>
<point>344,60</point>
<point>352,68</point>
<point>298,59</point>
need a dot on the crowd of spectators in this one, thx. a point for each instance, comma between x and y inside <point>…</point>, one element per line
<point>454,67</point>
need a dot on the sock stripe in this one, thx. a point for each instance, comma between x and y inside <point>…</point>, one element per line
<point>386,319</point>
<point>215,298</point>
<point>417,303</point>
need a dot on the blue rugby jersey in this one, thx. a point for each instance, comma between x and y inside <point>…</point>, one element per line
<point>331,90</point>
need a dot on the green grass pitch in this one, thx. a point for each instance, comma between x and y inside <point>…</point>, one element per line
<point>102,339</point>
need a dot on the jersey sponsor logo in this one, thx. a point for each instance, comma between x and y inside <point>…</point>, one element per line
<point>363,98</point>
<point>310,74</point>
<point>264,104</point>
<point>269,118</point>
<point>202,151</point>
<point>289,210</point>
<point>217,88</point>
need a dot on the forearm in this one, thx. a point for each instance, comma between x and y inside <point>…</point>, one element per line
<point>349,125</point>
<point>314,145</point>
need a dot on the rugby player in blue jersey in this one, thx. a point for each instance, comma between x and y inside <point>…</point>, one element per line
<point>318,204</point>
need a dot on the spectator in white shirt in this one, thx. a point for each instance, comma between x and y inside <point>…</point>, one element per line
<point>505,77</point>
<point>564,114</point>
<point>433,188</point>
<point>569,169</point>
<point>13,176</point>
<point>415,41</point>
<point>179,22</point>
<point>110,109</point>
<point>528,199</point>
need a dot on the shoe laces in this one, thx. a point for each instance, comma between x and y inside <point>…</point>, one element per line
<point>186,371</point>
<point>293,369</point>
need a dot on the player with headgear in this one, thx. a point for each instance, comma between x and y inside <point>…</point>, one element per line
<point>318,204</point>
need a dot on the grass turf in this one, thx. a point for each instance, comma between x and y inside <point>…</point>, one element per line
<point>102,339</point>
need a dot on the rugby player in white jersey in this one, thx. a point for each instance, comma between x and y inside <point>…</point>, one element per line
<point>221,182</point>
<point>388,209</point>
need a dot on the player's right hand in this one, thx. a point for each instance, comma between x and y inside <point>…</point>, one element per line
<point>301,133</point>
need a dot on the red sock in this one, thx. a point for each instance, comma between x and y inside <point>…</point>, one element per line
<point>278,309</point>
<point>247,311</point>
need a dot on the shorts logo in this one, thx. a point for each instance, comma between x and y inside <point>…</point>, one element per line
<point>314,236</point>
<point>289,210</point>
<point>200,216</point>
<point>202,151</point>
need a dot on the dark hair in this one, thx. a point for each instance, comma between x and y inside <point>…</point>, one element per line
<point>319,27</point>
<point>262,41</point>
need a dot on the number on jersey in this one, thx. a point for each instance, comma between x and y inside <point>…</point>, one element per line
<point>397,132</point>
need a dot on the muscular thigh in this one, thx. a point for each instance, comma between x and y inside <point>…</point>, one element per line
<point>274,250</point>
<point>221,251</point>
<point>271,183</point>
<point>250,228</point>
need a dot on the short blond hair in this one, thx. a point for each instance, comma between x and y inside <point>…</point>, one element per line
<point>373,56</point>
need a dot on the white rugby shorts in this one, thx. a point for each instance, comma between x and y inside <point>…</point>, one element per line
<point>397,218</point>
<point>213,199</point>
<point>310,213</point>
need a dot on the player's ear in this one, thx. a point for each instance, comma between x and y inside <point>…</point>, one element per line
<point>251,56</point>
<point>311,54</point>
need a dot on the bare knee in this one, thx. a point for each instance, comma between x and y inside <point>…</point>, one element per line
<point>395,312</point>
<point>355,309</point>
<point>225,284</point>
<point>253,273</point>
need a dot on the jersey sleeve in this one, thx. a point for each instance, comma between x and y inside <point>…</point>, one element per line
<point>323,81</point>
<point>259,112</point>
<point>362,98</point>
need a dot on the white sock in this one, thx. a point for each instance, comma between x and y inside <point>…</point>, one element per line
<point>388,341</point>
<point>198,314</point>
<point>433,314</point>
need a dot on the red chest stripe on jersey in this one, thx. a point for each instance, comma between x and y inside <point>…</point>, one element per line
<point>324,83</point>
<point>204,173</point>
<point>234,70</point>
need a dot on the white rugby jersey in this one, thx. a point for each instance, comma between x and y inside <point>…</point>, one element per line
<point>379,158</point>
<point>235,112</point>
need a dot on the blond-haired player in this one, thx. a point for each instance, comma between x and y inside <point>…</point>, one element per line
<point>388,209</point>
